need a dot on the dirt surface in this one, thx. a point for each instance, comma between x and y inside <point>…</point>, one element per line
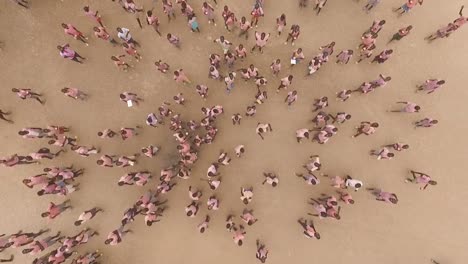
<point>424,225</point>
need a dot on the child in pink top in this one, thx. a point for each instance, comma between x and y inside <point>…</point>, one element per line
<point>119,63</point>
<point>174,40</point>
<point>384,196</point>
<point>208,11</point>
<point>152,20</point>
<point>461,20</point>
<point>256,13</point>
<point>93,15</point>
<point>244,26</point>
<point>74,93</point>
<point>130,50</point>
<point>285,83</point>
<point>344,56</point>
<point>275,66</point>
<point>241,52</point>
<point>67,53</point>
<point>27,93</point>
<point>128,132</point>
<point>426,122</point>
<point>75,33</point>
<point>431,85</point>
<point>291,98</point>
<point>239,235</point>
<point>43,153</point>
<point>366,128</point>
<point>260,41</point>
<point>162,66</point>
<point>421,178</point>
<point>168,9</point>
<point>115,237</point>
<point>180,77</point>
<point>55,210</point>
<point>230,22</point>
<point>383,153</point>
<point>40,179</point>
<point>408,108</point>
<point>20,239</point>
<point>309,229</point>
<point>40,245</point>
<point>293,34</point>
<point>280,24</point>
<point>406,7</point>
<point>101,32</point>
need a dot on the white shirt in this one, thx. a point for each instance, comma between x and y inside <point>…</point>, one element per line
<point>125,34</point>
<point>353,182</point>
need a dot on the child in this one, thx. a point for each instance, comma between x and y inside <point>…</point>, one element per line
<point>162,66</point>
<point>75,33</point>
<point>152,20</point>
<point>24,94</point>
<point>260,41</point>
<point>130,49</point>
<point>174,40</point>
<point>101,33</point>
<point>168,9</point>
<point>293,34</point>
<point>192,21</point>
<point>402,32</point>
<point>244,26</point>
<point>208,10</point>
<point>344,56</point>
<point>256,13</point>
<point>275,67</point>
<point>67,53</point>
<point>229,81</point>
<point>383,56</point>
<point>74,93</point>
<point>280,24</point>
<point>93,15</point>
<point>120,63</point>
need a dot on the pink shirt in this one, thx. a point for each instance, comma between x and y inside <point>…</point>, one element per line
<point>460,21</point>
<point>386,196</point>
<point>275,67</point>
<point>261,42</point>
<point>92,14</point>
<point>208,11</point>
<point>424,179</point>
<point>244,26</point>
<point>71,30</point>
<point>20,240</point>
<point>53,210</point>
<point>68,53</point>
<point>152,20</point>
<point>410,107</point>
<point>343,56</point>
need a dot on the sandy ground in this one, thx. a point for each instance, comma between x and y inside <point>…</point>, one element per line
<point>422,226</point>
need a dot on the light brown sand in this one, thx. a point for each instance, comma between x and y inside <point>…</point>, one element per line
<point>423,225</point>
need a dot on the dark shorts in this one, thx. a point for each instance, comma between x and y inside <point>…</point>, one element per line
<point>406,8</point>
<point>397,36</point>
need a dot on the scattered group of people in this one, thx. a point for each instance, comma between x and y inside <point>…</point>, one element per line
<point>191,135</point>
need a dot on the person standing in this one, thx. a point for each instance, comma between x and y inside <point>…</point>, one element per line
<point>67,53</point>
